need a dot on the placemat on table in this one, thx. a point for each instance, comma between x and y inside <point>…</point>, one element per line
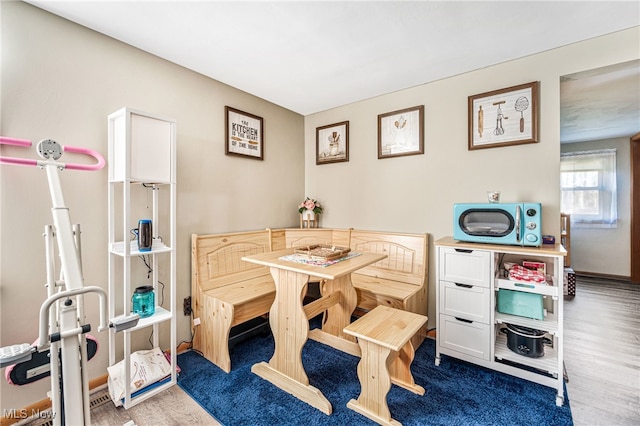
<point>302,258</point>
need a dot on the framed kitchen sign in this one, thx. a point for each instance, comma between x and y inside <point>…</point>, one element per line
<point>401,132</point>
<point>332,143</point>
<point>504,117</point>
<point>244,134</point>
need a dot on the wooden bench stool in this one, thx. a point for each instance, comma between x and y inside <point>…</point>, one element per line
<point>384,335</point>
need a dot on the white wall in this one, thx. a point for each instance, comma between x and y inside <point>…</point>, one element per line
<point>416,193</point>
<point>61,81</point>
<point>601,250</point>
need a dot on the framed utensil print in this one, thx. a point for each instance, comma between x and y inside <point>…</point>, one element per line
<point>504,117</point>
<point>401,132</point>
<point>244,134</point>
<point>332,143</point>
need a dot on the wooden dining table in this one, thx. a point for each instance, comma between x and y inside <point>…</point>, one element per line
<point>289,318</point>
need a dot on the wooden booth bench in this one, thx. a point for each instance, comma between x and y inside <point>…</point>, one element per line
<point>227,291</point>
<point>398,281</point>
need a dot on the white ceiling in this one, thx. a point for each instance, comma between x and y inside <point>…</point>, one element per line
<point>601,103</point>
<point>309,56</point>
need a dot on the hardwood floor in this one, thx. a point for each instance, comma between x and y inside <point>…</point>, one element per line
<point>602,352</point>
<point>602,359</point>
<point>172,407</point>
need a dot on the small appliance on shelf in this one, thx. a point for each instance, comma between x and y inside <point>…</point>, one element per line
<point>498,223</point>
<point>145,235</point>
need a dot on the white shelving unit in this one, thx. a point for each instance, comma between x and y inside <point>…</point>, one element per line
<point>468,323</point>
<point>142,170</point>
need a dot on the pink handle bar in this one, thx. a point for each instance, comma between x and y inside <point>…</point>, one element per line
<point>14,141</point>
<point>73,149</point>
<point>99,158</point>
<point>17,161</point>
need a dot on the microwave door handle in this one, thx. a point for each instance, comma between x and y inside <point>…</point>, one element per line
<point>518,227</point>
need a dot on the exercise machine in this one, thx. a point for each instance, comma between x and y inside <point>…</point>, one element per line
<point>62,341</point>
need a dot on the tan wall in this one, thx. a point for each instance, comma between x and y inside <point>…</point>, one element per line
<point>602,250</point>
<point>61,81</point>
<point>416,193</point>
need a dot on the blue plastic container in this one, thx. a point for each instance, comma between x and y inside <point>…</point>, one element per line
<point>143,300</point>
<point>529,305</point>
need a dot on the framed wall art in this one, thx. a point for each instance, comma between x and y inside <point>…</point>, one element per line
<point>244,134</point>
<point>332,143</point>
<point>401,132</point>
<point>504,117</point>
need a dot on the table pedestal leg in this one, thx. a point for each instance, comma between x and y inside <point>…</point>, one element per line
<point>338,316</point>
<point>290,328</point>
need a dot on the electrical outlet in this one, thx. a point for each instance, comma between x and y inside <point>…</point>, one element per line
<point>186,306</point>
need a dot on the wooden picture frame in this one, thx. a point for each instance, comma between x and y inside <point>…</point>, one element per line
<point>244,134</point>
<point>401,132</point>
<point>504,117</point>
<point>332,143</point>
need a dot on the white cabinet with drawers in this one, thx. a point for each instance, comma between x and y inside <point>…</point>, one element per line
<point>464,302</point>
<point>469,277</point>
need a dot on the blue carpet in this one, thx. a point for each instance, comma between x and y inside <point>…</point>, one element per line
<point>457,392</point>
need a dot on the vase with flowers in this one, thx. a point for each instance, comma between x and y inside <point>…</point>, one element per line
<point>309,210</point>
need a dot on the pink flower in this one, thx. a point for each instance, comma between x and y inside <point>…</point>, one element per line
<point>309,204</point>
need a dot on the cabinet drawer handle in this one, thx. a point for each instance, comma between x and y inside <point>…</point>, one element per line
<point>463,250</point>
<point>463,285</point>
<point>464,320</point>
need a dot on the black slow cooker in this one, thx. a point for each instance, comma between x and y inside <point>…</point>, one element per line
<point>526,341</point>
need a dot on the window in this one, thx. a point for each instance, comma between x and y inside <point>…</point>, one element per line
<point>588,188</point>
